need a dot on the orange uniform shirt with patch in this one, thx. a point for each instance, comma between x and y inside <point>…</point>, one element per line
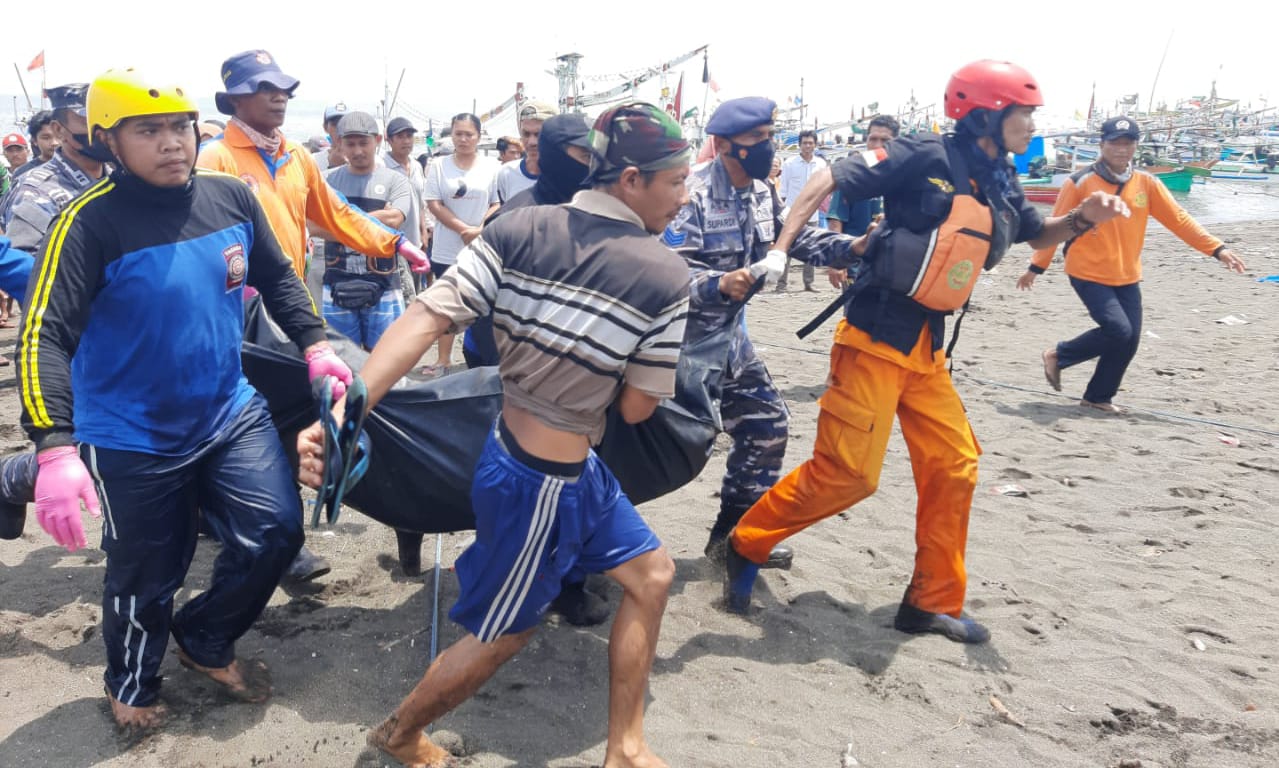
<point>292,190</point>
<point>1110,253</point>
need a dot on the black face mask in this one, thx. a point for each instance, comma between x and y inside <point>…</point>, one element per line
<point>98,152</point>
<point>756,159</point>
<point>561,176</point>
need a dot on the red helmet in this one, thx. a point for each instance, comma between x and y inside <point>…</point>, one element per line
<point>993,85</point>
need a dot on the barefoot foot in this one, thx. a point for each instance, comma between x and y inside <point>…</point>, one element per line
<point>413,749</point>
<point>137,719</point>
<point>250,682</point>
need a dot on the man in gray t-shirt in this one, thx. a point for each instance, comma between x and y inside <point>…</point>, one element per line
<point>361,292</point>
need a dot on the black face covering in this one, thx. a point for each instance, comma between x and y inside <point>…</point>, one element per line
<point>98,152</point>
<point>756,159</point>
<point>561,176</point>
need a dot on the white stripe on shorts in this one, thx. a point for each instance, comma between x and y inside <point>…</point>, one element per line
<point>552,503</point>
<point>525,563</point>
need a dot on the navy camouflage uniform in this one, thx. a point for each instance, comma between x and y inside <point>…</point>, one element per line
<point>41,193</point>
<point>38,197</point>
<point>720,230</point>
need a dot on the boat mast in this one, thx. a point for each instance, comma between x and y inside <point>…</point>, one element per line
<point>1150,105</point>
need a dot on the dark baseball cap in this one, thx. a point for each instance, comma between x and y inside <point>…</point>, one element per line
<point>1120,127</point>
<point>569,129</point>
<point>358,124</point>
<point>245,73</point>
<point>399,125</point>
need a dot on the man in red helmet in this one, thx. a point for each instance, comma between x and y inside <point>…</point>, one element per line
<point>887,360</point>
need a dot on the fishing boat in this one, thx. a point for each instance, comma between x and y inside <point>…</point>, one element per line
<point>1200,168</point>
<point>1041,190</point>
<point>1249,165</point>
<point>1175,179</point>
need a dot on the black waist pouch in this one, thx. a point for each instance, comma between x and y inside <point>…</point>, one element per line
<point>356,293</point>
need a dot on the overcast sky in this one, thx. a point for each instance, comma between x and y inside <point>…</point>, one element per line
<point>455,52</point>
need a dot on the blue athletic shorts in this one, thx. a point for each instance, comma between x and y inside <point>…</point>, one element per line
<point>531,531</point>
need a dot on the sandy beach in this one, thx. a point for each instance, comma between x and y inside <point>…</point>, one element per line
<point>1130,585</point>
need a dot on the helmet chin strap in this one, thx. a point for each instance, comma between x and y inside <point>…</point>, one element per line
<point>988,123</point>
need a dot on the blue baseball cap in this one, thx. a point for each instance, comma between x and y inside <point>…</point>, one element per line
<point>335,112</point>
<point>245,73</point>
<point>740,115</point>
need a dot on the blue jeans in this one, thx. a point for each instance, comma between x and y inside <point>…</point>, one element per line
<point>1117,312</point>
<point>241,481</point>
<point>364,326</point>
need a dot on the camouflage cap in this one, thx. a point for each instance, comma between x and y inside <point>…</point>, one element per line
<point>636,135</point>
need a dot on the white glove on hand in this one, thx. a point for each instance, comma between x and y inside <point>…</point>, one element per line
<point>772,265</point>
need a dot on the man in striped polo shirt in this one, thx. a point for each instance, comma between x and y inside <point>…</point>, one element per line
<point>588,309</point>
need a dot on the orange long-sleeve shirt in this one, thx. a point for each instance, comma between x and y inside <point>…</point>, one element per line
<point>293,190</point>
<point>1110,253</point>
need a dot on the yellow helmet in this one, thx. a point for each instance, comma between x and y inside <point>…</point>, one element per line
<point>122,93</point>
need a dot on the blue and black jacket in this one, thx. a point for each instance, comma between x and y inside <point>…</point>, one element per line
<point>136,307</point>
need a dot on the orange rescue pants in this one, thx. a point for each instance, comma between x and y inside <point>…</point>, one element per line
<point>865,390</point>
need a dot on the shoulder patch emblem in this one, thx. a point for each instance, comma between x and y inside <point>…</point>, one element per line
<point>251,181</point>
<point>673,237</point>
<point>1140,200</point>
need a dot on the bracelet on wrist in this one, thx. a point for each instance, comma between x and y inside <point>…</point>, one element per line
<point>1077,223</point>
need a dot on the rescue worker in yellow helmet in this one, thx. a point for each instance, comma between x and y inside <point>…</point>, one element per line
<point>887,359</point>
<point>132,391</point>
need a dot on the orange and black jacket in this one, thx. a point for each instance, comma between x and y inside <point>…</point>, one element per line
<point>913,175</point>
<point>292,190</point>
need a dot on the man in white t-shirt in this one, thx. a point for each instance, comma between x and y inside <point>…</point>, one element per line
<point>518,175</point>
<point>795,174</point>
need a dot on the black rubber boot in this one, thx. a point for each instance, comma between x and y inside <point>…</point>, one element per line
<point>579,607</point>
<point>409,545</point>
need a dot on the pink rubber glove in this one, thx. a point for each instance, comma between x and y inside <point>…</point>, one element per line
<point>62,483</point>
<point>415,256</point>
<point>321,360</point>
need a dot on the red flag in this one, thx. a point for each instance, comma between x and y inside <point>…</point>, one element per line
<point>37,62</point>
<point>679,99</point>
